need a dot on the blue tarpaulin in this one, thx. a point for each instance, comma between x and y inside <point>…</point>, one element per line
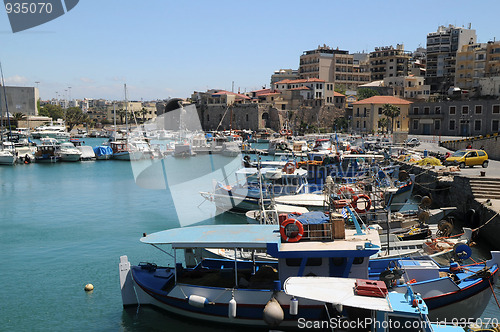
<point>311,218</point>
<point>102,150</point>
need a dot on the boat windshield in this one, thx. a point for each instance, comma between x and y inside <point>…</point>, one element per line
<point>459,153</point>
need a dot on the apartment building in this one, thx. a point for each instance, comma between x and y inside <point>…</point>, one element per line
<point>442,47</point>
<point>388,61</point>
<point>410,86</point>
<point>313,91</point>
<point>333,65</point>
<point>284,74</point>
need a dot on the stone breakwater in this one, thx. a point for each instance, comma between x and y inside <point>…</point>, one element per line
<point>477,199</point>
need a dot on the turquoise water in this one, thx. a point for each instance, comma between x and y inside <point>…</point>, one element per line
<point>65,225</point>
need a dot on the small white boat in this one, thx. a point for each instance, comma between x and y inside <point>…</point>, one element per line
<point>7,157</point>
<point>68,152</point>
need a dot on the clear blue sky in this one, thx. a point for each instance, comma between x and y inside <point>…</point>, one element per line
<point>164,48</point>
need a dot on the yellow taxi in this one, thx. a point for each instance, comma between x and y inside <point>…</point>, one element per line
<point>468,157</point>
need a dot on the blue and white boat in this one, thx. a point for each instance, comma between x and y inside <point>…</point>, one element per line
<point>250,292</point>
<point>238,292</point>
<point>250,191</point>
<point>375,308</point>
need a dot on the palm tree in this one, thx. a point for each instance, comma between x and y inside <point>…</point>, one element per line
<point>383,123</point>
<point>121,114</point>
<point>143,112</point>
<point>392,112</point>
<point>17,117</point>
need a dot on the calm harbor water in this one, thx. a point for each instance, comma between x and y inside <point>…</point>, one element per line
<point>65,225</point>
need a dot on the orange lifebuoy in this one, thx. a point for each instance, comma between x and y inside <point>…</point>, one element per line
<point>289,167</point>
<point>345,189</point>
<point>368,203</point>
<point>297,237</point>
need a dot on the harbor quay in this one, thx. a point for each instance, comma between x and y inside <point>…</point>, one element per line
<point>474,191</point>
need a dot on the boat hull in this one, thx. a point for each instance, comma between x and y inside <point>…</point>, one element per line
<point>250,303</point>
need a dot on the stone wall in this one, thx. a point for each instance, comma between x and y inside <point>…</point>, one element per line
<point>491,144</point>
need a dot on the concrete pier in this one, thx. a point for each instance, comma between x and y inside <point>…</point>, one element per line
<point>476,197</point>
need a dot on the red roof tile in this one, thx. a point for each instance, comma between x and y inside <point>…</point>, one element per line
<point>383,100</point>
<point>338,94</point>
<point>300,88</point>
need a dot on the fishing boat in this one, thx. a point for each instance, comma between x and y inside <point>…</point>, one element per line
<point>250,292</point>
<point>364,305</point>
<point>124,151</point>
<point>46,152</point>
<point>236,292</point>
<point>256,186</point>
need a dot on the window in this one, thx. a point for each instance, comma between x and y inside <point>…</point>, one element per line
<point>481,153</point>
<point>364,112</point>
<point>208,117</point>
<point>465,109</point>
<point>437,125</point>
<point>437,110</point>
<point>315,261</point>
<point>453,110</point>
<point>426,110</point>
<point>452,125</point>
<point>415,110</point>
<point>415,124</point>
<point>477,125</point>
<point>495,109</point>
<point>494,125</point>
<point>380,111</point>
<point>479,109</point>
<point>247,117</point>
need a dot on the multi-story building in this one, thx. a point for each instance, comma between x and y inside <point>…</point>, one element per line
<point>388,61</point>
<point>333,65</point>
<point>418,62</point>
<point>314,91</point>
<point>284,74</point>
<point>368,112</point>
<point>442,47</point>
<point>470,66</point>
<point>408,87</point>
<point>492,59</point>
<point>455,118</point>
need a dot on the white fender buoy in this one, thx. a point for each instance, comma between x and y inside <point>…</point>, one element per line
<point>232,308</point>
<point>89,287</point>
<point>273,313</point>
<point>294,306</point>
<point>339,307</point>
<point>197,301</point>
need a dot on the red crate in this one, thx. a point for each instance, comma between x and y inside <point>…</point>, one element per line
<point>374,288</point>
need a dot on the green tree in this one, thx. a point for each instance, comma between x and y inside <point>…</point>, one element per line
<point>392,112</point>
<point>341,124</point>
<point>364,93</point>
<point>53,111</point>
<point>383,123</point>
<point>340,88</point>
<point>143,112</point>
<point>75,116</point>
<point>121,114</point>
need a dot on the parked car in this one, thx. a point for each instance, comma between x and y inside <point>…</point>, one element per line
<point>412,142</point>
<point>468,157</point>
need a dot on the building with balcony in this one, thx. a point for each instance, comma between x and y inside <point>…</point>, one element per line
<point>284,74</point>
<point>368,112</point>
<point>412,87</point>
<point>333,65</point>
<point>455,118</point>
<point>442,47</point>
<point>388,61</point>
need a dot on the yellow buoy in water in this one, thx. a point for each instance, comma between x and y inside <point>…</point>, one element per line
<point>89,287</point>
